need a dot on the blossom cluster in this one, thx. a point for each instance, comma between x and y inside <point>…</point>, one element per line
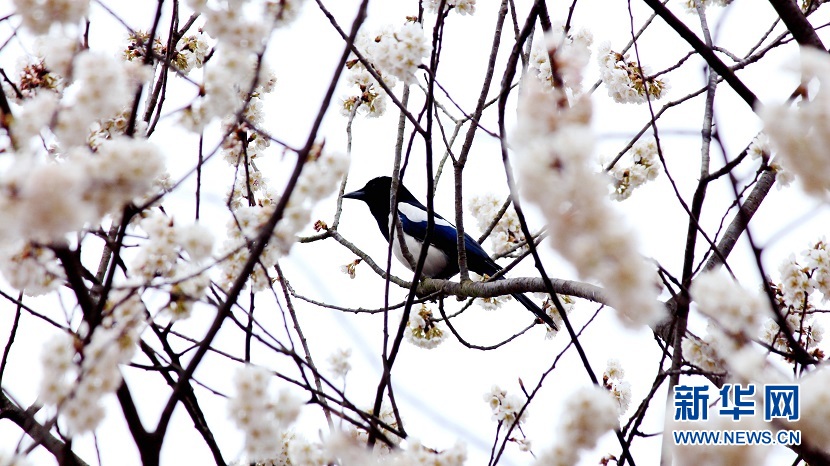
<point>490,303</point>
<point>691,5</point>
<point>462,7</point>
<point>506,407</point>
<point>371,98</point>
<point>612,380</point>
<point>797,297</point>
<point>229,78</point>
<point>342,448</point>
<point>190,53</point>
<point>626,80</point>
<point>43,200</point>
<point>339,364</point>
<point>571,53</point>
<point>589,414</point>
<point>643,166</point>
<point>392,54</point>
<point>40,15</point>
<point>813,423</point>
<point>31,268</point>
<point>802,134</point>
<point>568,303</point>
<point>79,372</point>
<point>423,331</point>
<point>735,315</point>
<point>703,352</point>
<point>33,78</point>
<point>735,309</point>
<point>319,178</point>
<point>507,234</point>
<point>555,145</point>
<point>760,149</point>
<point>262,417</point>
<point>158,258</point>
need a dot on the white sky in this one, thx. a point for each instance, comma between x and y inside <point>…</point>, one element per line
<point>440,391</point>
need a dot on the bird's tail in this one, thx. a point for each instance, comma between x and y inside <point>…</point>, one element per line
<point>532,307</point>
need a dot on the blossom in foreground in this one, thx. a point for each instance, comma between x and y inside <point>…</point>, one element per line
<point>320,177</point>
<point>76,377</point>
<point>262,417</point>
<point>555,147</point>
<point>40,15</point>
<point>736,309</point>
<point>571,53</point>
<point>589,414</point>
<point>815,408</point>
<point>802,133</point>
<point>31,268</point>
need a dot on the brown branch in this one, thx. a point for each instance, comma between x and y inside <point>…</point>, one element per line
<point>511,286</point>
<point>801,29</point>
<point>704,51</point>
<point>26,421</point>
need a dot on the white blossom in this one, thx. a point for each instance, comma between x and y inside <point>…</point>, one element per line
<point>506,407</point>
<point>262,418</point>
<point>339,364</point>
<point>397,52</point>
<point>736,309</point>
<point>462,7</point>
<point>638,166</point>
<point>103,92</point>
<point>589,413</point>
<point>31,268</point>
<point>571,53</point>
<point>507,233</point>
<point>423,331</point>
<point>39,15</point>
<point>555,147</point>
<point>815,407</point>
<point>691,5</point>
<point>614,370</point>
<point>626,81</point>
<point>702,353</point>
<point>802,133</point>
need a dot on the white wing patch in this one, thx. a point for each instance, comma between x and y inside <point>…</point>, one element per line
<point>417,215</point>
<point>436,260</point>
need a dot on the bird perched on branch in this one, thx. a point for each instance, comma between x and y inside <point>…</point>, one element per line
<point>442,256</point>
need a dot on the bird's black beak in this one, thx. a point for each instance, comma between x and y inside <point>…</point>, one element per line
<point>359,195</point>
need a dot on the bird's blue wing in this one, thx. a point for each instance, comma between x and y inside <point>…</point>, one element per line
<point>444,234</point>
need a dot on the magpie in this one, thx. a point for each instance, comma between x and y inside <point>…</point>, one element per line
<point>442,257</point>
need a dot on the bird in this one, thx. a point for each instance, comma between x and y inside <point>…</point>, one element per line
<point>442,256</point>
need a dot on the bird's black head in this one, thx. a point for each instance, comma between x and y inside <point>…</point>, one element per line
<point>376,194</point>
<point>377,188</point>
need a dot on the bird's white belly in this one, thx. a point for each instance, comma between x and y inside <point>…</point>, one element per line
<point>436,260</point>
